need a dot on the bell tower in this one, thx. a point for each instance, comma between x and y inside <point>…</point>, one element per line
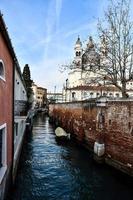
<point>104,50</point>
<point>78,52</point>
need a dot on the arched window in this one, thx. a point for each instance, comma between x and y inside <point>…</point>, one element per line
<point>2,70</point>
<point>117,95</point>
<point>73,95</point>
<point>91,94</point>
<point>77,53</point>
<point>105,94</point>
<point>98,94</point>
<point>110,94</point>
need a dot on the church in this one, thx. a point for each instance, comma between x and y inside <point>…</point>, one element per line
<point>86,79</point>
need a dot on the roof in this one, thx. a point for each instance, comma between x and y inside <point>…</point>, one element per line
<point>41,88</point>
<point>97,88</point>
<point>90,87</point>
<point>78,41</point>
<point>52,93</point>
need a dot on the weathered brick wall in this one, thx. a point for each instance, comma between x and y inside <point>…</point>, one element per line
<point>114,129</point>
<point>119,135</point>
<point>80,119</point>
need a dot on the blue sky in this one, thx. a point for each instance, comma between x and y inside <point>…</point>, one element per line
<point>43,33</point>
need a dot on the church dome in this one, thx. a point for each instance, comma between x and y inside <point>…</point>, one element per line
<point>90,56</point>
<point>90,44</point>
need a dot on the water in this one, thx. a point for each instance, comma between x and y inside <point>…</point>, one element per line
<point>64,172</point>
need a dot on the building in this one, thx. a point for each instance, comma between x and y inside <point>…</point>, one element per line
<point>54,97</point>
<point>85,79</point>
<point>13,111</point>
<point>7,63</point>
<point>40,96</point>
<point>20,115</point>
<point>34,88</point>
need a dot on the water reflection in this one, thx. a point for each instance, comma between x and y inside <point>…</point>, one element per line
<point>64,172</point>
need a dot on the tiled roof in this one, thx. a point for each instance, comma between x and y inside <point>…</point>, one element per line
<point>90,87</point>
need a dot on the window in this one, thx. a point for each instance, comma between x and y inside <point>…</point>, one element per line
<point>85,94</point>
<point>3,150</point>
<point>91,94</point>
<point>110,94</point>
<point>104,94</point>
<point>2,70</point>
<point>98,94</point>
<point>73,95</point>
<point>15,129</point>
<point>77,53</point>
<point>2,145</point>
<point>117,94</point>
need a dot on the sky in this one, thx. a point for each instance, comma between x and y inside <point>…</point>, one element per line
<point>44,32</point>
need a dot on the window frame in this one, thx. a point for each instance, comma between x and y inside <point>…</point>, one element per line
<point>2,77</point>
<point>3,168</point>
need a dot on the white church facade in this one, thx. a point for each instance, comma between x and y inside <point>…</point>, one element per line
<point>84,82</point>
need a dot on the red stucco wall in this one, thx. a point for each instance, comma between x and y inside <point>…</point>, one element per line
<point>6,95</point>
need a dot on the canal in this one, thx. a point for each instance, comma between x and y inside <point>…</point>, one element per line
<point>51,171</point>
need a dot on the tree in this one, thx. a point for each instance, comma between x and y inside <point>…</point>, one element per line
<point>27,76</point>
<point>117,43</point>
<point>28,82</point>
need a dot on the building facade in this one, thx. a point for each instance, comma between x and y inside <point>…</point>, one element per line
<point>39,96</point>
<point>13,111</point>
<point>7,60</point>
<point>54,97</point>
<point>20,115</point>
<point>85,79</point>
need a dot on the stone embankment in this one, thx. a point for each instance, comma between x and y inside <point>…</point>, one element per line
<point>103,126</point>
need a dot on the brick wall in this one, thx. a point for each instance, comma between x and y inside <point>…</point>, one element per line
<point>108,122</point>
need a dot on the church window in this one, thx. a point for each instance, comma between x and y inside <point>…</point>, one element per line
<point>90,67</point>
<point>91,94</point>
<point>98,94</point>
<point>99,67</point>
<point>117,95</point>
<point>104,94</point>
<point>77,53</point>
<point>73,95</point>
